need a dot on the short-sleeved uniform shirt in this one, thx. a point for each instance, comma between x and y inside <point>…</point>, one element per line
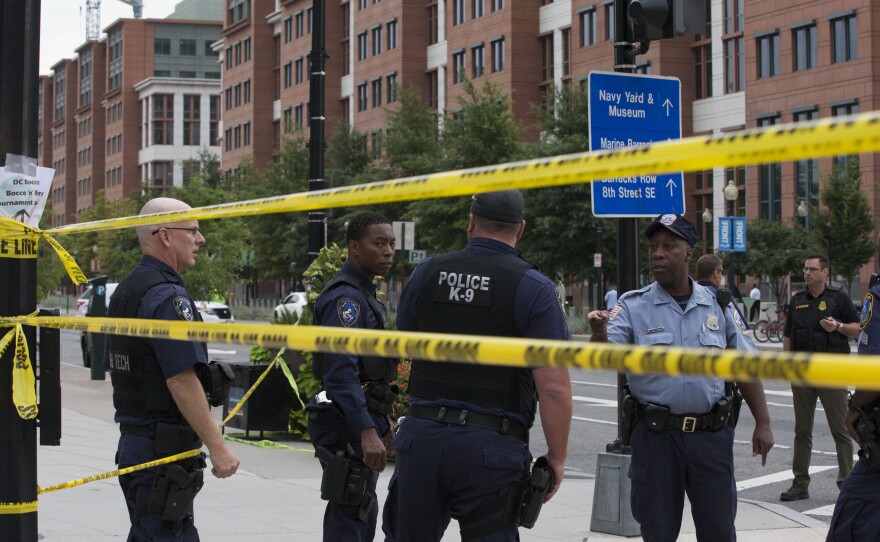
<point>805,312</point>
<point>869,323</point>
<point>346,307</point>
<point>538,313</point>
<point>651,317</point>
<point>167,301</point>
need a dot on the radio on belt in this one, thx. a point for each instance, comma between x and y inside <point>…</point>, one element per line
<point>463,288</point>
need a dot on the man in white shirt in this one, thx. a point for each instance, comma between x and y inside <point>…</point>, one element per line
<point>755,294</point>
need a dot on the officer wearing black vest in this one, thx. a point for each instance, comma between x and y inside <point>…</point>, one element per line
<point>463,450</point>
<point>349,417</point>
<point>161,388</point>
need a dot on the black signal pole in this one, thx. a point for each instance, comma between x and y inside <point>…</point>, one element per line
<point>19,77</point>
<point>317,63</point>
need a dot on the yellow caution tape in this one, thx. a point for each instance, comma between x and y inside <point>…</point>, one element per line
<point>18,507</point>
<point>826,137</point>
<point>237,437</point>
<point>815,369</point>
<point>20,241</point>
<point>24,388</point>
<point>118,472</point>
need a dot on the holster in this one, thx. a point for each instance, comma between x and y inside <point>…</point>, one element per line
<point>216,379</point>
<point>380,397</point>
<point>629,409</point>
<point>866,427</point>
<point>541,481</point>
<point>172,494</point>
<point>736,400</point>
<point>346,483</point>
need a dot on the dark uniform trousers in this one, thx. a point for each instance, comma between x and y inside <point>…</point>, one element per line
<point>668,464</point>
<point>341,521</point>
<point>137,488</point>
<point>857,512</point>
<point>444,471</point>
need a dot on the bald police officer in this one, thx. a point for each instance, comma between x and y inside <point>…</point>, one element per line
<point>160,402</point>
<point>463,450</point>
<point>681,442</point>
<point>349,417</point>
<point>857,512</point>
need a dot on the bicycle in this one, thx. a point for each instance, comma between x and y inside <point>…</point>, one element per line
<point>771,330</point>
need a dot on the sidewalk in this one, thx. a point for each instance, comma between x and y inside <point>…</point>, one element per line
<point>275,496</point>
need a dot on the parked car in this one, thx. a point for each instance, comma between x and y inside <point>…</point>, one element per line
<point>294,303</point>
<point>82,304</point>
<point>213,312</point>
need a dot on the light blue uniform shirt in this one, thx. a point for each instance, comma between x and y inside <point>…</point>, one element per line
<point>651,316</point>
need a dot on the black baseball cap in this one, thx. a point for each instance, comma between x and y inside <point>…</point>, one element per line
<point>503,206</point>
<point>677,224</point>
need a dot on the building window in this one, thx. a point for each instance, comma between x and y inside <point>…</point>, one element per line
<point>644,68</point>
<point>247,49</point>
<point>288,29</point>
<point>298,70</point>
<point>377,40</point>
<point>237,95</point>
<point>161,46</point>
<point>433,86</point>
<point>236,130</point>
<point>161,73</point>
<point>209,49</point>
<point>362,45</point>
<point>566,52</point>
<point>298,117</point>
<point>239,10</point>
<point>191,119</point>
<point>391,85</point>
<point>806,172</point>
<point>391,31</point>
<point>546,58</point>
<point>228,94</point>
<point>770,180</point>
<point>247,91</point>
<point>163,175</point>
<point>477,8</point>
<point>85,77</point>
<point>734,65</point>
<point>215,120</point>
<point>362,4</point>
<point>849,107</point>
<point>227,139</point>
<point>288,75</point>
<point>376,144</point>
<point>114,73</point>
<point>362,97</point>
<point>60,95</point>
<point>309,20</point>
<point>588,27</point>
<point>187,47</point>
<point>299,25</point>
<point>186,74</point>
<point>477,61</point>
<point>247,134</point>
<point>458,12</point>
<point>768,55</point>
<point>843,38</point>
<point>458,67</point>
<point>238,53</point>
<point>803,41</point>
<point>377,92</point>
<point>433,24</point>
<point>288,120</point>
<point>228,57</point>
<point>163,119</point>
<point>498,55</point>
<point>702,69</point>
<point>497,5</point>
<point>609,21</point>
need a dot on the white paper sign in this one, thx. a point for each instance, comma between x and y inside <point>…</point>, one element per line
<point>23,197</point>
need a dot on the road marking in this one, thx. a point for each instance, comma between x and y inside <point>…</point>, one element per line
<point>595,401</point>
<point>605,422</point>
<point>775,478</point>
<point>599,384</point>
<point>827,510</point>
<point>774,392</point>
<point>221,352</point>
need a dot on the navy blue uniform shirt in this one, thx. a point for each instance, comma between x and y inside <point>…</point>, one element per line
<point>869,324</point>
<point>345,306</point>
<point>538,312</point>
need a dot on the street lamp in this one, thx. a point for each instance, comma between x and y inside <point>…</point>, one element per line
<point>707,221</point>
<point>731,192</point>
<point>804,212</point>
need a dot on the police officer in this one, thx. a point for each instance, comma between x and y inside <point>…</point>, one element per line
<point>821,318</point>
<point>462,452</point>
<point>349,417</point>
<point>681,442</point>
<point>857,512</point>
<point>710,273</point>
<point>160,400</point>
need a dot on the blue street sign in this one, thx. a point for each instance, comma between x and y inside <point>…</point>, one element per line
<point>739,234</point>
<point>629,110</point>
<point>724,241</point>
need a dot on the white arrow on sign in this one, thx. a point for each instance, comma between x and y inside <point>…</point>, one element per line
<point>667,104</point>
<point>671,186</point>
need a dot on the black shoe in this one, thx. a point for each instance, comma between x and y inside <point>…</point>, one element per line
<point>795,493</point>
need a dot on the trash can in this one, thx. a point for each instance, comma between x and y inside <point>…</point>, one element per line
<point>268,407</point>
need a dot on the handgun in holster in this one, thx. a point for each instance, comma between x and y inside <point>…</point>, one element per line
<point>535,491</point>
<point>347,483</point>
<point>629,409</point>
<point>734,396</point>
<point>866,427</point>
<point>173,493</point>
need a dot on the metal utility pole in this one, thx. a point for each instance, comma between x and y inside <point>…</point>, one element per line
<point>317,146</point>
<point>19,78</point>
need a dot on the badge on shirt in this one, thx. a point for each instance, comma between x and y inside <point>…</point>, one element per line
<point>712,321</point>
<point>822,305</point>
<point>613,312</point>
<point>867,311</point>
<point>348,311</point>
<point>183,307</point>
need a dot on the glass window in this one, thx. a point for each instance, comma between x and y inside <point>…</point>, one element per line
<point>161,46</point>
<point>804,43</point>
<point>458,67</point>
<point>497,55</point>
<point>457,12</point>
<point>477,61</point>
<point>187,47</point>
<point>768,55</point>
<point>588,27</point>
<point>770,181</point>
<point>843,39</point>
<point>391,30</point>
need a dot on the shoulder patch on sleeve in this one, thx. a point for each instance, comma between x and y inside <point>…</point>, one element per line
<point>348,311</point>
<point>183,308</point>
<point>613,312</point>
<point>743,329</point>
<point>867,310</point>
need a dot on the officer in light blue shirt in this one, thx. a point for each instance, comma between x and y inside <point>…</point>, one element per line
<point>681,442</point>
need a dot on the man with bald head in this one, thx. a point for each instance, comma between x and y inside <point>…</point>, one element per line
<point>160,390</point>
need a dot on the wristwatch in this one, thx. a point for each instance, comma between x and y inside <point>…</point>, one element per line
<point>840,327</point>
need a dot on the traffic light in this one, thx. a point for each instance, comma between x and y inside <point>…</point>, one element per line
<point>663,19</point>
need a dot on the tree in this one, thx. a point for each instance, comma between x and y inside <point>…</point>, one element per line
<point>775,250</point>
<point>413,146</point>
<point>844,222</point>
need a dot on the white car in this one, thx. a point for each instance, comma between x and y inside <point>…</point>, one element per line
<point>294,303</point>
<point>82,304</point>
<point>213,312</point>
